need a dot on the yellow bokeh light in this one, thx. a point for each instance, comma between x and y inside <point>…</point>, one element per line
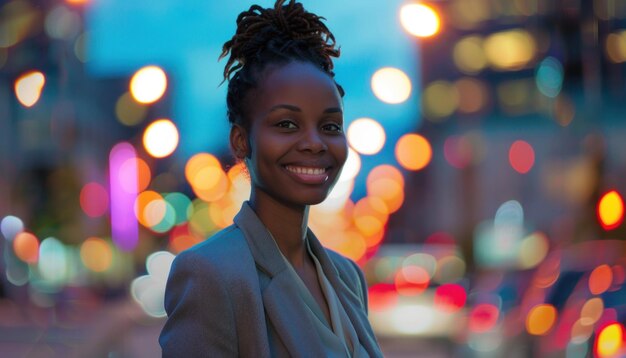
<point>533,250</point>
<point>419,20</point>
<point>510,50</point>
<point>609,341</point>
<point>391,85</point>
<point>540,319</point>
<point>28,88</point>
<point>468,55</point>
<point>160,138</point>
<point>611,210</point>
<point>413,151</point>
<point>366,136</point>
<point>129,112</point>
<point>148,84</point>
<point>96,254</point>
<point>616,47</point>
<point>440,99</point>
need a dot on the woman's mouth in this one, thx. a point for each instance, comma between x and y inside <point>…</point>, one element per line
<point>308,175</point>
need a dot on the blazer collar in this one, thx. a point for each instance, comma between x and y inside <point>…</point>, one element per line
<point>281,299</point>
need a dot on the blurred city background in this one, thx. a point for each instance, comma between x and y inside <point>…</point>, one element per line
<point>483,194</point>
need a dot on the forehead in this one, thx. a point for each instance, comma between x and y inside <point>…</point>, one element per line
<point>296,83</point>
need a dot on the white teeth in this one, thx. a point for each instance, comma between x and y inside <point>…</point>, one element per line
<point>305,170</point>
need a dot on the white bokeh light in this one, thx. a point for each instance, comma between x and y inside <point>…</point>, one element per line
<point>391,85</point>
<point>160,138</point>
<point>366,136</point>
<point>148,84</point>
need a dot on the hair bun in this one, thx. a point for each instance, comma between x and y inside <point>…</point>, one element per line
<point>285,31</point>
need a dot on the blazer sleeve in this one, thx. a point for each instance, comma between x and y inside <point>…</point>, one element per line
<point>201,319</point>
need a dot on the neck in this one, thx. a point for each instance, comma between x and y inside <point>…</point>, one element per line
<point>287,224</point>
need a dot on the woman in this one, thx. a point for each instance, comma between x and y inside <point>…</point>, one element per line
<point>265,286</point>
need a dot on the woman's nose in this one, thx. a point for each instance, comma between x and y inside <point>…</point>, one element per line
<point>312,141</point>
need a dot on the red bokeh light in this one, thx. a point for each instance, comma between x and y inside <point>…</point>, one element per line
<point>521,156</point>
<point>450,297</point>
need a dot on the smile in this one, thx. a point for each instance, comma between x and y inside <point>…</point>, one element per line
<point>306,170</point>
<point>308,175</point>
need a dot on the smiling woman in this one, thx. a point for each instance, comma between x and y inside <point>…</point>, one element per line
<point>265,286</point>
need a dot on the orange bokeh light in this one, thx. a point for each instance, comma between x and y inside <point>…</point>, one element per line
<point>26,247</point>
<point>413,152</point>
<point>540,319</point>
<point>600,279</point>
<point>387,183</point>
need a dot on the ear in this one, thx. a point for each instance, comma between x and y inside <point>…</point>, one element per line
<point>239,141</point>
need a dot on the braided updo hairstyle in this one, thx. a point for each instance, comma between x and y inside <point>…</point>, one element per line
<point>276,35</point>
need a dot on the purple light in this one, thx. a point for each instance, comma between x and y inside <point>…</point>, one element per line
<point>124,227</point>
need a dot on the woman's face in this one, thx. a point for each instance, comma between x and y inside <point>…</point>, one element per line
<point>297,143</point>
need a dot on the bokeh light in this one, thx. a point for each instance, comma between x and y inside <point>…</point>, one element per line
<point>541,319</point>
<point>160,138</point>
<point>386,182</point>
<point>128,111</point>
<point>591,311</point>
<point>549,77</point>
<point>510,49</point>
<point>96,254</point>
<point>440,99</point>
<point>123,193</point>
<point>26,247</point>
<point>149,290</point>
<point>53,263</point>
<point>616,46</point>
<point>450,297</point>
<point>521,156</point>
<point>391,85</point>
<point>94,200</point>
<point>483,317</point>
<point>533,249</point>
<point>473,95</point>
<point>469,56</point>
<point>28,88</point>
<point>413,151</point>
<point>609,341</point>
<point>10,226</point>
<point>366,136</point>
<point>148,84</point>
<point>351,167</point>
<point>62,23</point>
<point>611,210</point>
<point>600,279</point>
<point>419,20</point>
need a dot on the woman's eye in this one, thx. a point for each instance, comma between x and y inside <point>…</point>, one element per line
<point>332,127</point>
<point>286,124</point>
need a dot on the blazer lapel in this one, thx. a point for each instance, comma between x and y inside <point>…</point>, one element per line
<point>350,301</point>
<point>281,300</point>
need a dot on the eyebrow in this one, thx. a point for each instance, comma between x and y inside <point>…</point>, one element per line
<point>297,109</point>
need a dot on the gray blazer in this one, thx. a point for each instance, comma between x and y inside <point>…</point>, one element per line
<point>226,296</point>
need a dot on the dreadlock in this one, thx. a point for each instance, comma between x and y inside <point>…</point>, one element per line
<point>276,35</point>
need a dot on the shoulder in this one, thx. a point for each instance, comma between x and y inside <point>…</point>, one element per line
<point>220,252</point>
